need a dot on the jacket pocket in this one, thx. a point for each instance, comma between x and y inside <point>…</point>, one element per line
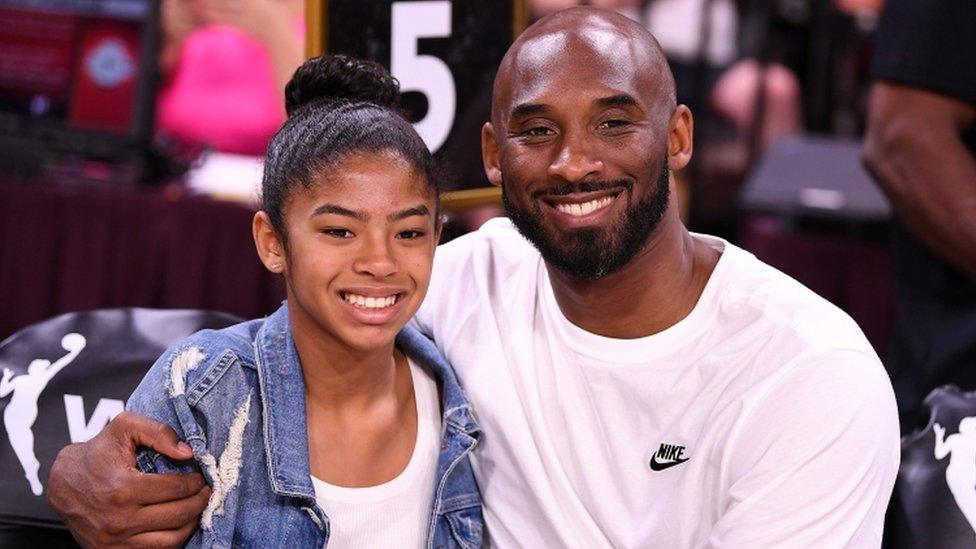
<point>467,526</point>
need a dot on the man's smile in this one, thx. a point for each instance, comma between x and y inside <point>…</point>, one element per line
<point>579,210</point>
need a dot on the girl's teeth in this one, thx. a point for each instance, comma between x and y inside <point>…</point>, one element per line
<point>370,302</point>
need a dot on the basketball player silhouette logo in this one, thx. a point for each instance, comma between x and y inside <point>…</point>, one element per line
<point>961,471</point>
<point>21,411</point>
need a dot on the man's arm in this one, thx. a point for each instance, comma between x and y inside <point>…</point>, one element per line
<point>107,502</point>
<point>813,459</point>
<point>915,151</point>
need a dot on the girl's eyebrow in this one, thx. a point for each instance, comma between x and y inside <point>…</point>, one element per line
<point>338,210</point>
<point>409,212</point>
<point>419,209</point>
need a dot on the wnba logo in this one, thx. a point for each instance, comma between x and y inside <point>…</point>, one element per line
<point>21,411</point>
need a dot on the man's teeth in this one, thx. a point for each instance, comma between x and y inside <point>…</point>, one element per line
<point>364,302</point>
<point>586,207</point>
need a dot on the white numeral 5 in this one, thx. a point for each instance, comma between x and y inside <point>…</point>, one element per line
<point>427,74</point>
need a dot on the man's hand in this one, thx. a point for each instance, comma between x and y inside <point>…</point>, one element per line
<point>107,502</point>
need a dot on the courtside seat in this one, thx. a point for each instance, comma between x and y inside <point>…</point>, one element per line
<point>934,504</point>
<point>62,380</point>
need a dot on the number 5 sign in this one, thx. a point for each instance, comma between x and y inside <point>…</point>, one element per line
<point>428,74</point>
<point>443,52</point>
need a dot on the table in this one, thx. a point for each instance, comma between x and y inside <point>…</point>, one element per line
<point>76,247</point>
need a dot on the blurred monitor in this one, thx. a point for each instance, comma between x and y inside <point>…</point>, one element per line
<point>76,87</point>
<point>815,177</point>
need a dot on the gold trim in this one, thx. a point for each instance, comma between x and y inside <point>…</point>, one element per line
<point>316,27</point>
<point>317,24</point>
<point>473,198</point>
<point>520,17</point>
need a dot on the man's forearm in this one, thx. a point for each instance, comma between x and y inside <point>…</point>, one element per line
<point>915,150</point>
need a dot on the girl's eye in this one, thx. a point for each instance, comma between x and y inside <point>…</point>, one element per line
<point>337,233</point>
<point>410,235</point>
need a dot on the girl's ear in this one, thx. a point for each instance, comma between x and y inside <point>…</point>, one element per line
<point>271,250</point>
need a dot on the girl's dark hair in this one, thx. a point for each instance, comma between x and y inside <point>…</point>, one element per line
<point>337,105</point>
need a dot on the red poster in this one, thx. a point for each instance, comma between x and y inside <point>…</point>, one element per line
<point>35,55</point>
<point>106,76</point>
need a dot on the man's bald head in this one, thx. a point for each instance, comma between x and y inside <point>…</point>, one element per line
<point>586,38</point>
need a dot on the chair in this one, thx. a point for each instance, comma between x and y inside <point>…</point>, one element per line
<point>64,379</point>
<point>934,504</point>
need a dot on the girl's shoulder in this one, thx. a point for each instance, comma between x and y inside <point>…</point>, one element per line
<point>198,355</point>
<point>197,366</point>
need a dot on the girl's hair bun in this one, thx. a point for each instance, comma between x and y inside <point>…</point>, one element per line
<point>341,78</point>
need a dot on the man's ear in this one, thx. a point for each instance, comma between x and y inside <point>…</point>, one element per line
<point>271,250</point>
<point>681,130</point>
<point>438,227</point>
<point>489,154</point>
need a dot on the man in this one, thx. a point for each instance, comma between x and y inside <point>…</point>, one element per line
<point>921,148</point>
<point>637,385</point>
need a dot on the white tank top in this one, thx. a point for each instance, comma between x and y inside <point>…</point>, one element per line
<point>394,514</point>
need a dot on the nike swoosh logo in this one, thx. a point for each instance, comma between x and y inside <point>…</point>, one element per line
<point>662,465</point>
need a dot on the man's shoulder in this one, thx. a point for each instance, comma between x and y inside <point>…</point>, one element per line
<point>795,350</point>
<point>762,294</point>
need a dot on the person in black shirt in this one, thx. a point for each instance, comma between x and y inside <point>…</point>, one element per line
<point>921,148</point>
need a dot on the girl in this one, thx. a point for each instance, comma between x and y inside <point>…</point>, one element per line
<point>330,421</point>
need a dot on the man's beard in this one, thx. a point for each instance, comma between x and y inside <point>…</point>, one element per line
<point>591,254</point>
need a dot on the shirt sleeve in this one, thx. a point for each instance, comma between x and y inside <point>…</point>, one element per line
<point>814,462</point>
<point>928,44</point>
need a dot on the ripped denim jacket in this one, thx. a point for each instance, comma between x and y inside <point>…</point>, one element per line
<point>237,397</point>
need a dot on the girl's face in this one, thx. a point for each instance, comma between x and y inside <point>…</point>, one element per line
<point>360,246</point>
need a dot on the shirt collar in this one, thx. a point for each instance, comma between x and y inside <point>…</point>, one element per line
<point>283,391</point>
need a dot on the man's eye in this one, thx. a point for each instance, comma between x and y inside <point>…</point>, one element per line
<point>410,235</point>
<point>337,233</point>
<point>538,131</point>
<point>616,123</point>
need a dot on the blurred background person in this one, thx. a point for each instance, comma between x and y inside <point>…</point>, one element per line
<point>225,64</point>
<point>921,147</point>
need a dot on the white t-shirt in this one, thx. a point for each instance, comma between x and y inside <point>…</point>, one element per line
<point>768,416</point>
<point>395,514</point>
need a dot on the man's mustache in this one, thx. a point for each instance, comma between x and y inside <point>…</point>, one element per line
<point>582,187</point>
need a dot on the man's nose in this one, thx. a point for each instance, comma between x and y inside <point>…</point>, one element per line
<point>376,258</point>
<point>576,159</point>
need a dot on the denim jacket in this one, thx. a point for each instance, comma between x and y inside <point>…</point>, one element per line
<point>237,397</point>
